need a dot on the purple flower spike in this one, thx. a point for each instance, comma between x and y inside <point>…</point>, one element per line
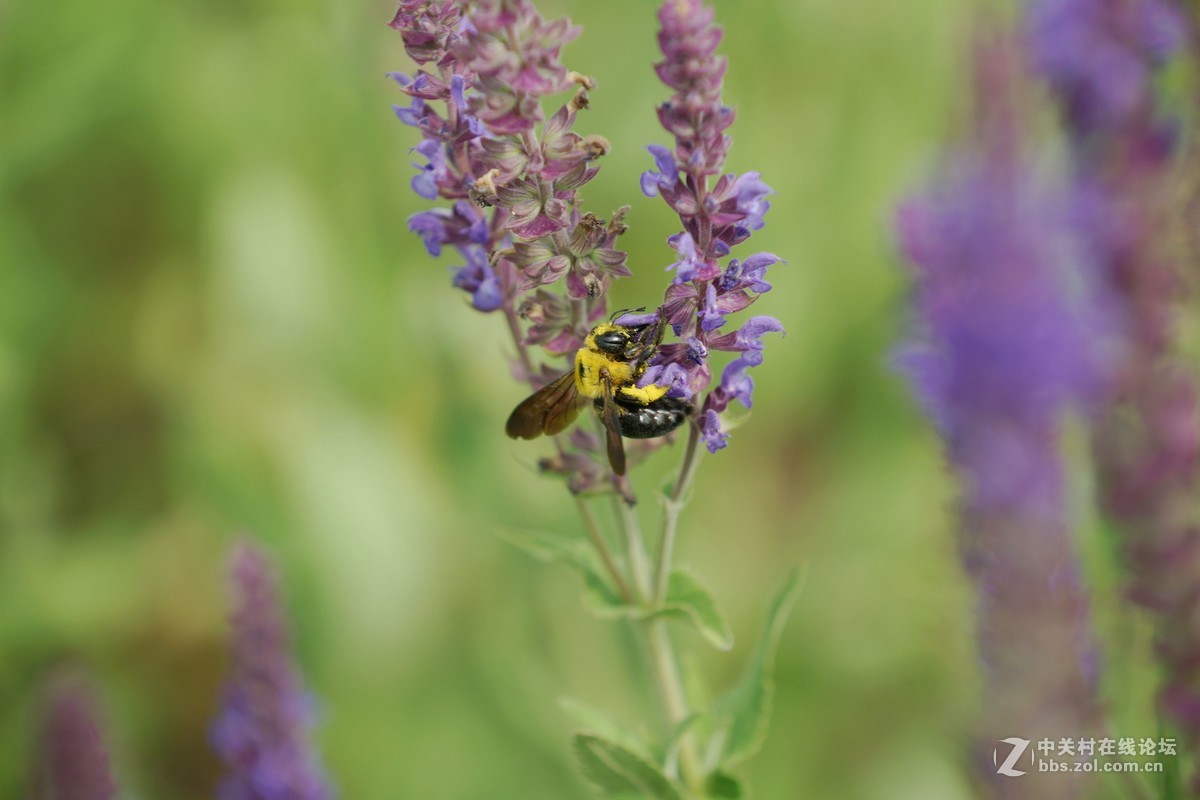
<point>718,212</point>
<point>1010,333</point>
<point>262,729</point>
<point>1126,154</point>
<point>74,762</point>
<point>511,172</point>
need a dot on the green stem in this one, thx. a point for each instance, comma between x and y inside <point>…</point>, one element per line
<point>661,653</point>
<point>672,508</point>
<point>674,701</point>
<point>639,564</point>
<point>593,531</point>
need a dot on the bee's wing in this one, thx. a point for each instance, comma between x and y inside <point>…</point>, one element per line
<point>612,427</point>
<point>548,410</point>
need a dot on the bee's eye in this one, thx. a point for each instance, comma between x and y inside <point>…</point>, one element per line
<point>612,342</point>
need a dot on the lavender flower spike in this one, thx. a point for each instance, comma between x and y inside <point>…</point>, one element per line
<point>1004,343</point>
<point>74,761</point>
<point>262,729</point>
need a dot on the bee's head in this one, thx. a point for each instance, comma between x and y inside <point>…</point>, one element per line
<point>609,339</point>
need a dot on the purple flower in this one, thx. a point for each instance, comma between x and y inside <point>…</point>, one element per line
<point>667,175</point>
<point>428,28</point>
<point>983,235</point>
<point>73,760</point>
<point>431,227</point>
<point>1148,445</point>
<point>750,274</point>
<point>671,375</point>
<point>461,226</point>
<point>414,114</point>
<point>1010,332</point>
<point>1099,55</point>
<point>262,730</point>
<point>716,215</point>
<point>514,55</point>
<point>691,66</point>
<point>750,199</point>
<point>479,280</point>
<point>431,175</point>
<point>710,431</point>
<point>690,265</point>
<point>711,316</point>
<point>736,384</point>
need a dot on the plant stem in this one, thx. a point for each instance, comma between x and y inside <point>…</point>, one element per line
<point>598,541</point>
<point>672,508</point>
<point>661,652</point>
<point>674,701</point>
<point>639,564</point>
<point>514,328</point>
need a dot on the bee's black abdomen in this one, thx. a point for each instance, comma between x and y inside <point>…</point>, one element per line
<point>647,422</point>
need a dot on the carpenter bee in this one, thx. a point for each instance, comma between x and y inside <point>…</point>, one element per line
<point>607,369</point>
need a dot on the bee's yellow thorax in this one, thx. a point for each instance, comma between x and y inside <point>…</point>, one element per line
<point>621,375</point>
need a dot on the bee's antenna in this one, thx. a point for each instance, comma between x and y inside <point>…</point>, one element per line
<point>625,311</point>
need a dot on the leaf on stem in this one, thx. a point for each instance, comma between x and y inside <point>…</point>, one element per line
<point>743,712</point>
<point>599,594</point>
<point>550,547</point>
<point>688,598</point>
<point>723,786</point>
<point>600,598</point>
<point>617,770</point>
<point>597,722</point>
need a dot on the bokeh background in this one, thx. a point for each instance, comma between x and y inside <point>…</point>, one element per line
<point>214,321</point>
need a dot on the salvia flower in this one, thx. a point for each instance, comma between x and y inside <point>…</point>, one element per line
<point>718,212</point>
<point>74,763</point>
<point>510,172</point>
<point>1148,445</point>
<point>262,731</point>
<point>1010,334</point>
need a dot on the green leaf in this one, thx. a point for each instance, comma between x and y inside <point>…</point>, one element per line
<point>617,770</point>
<point>687,597</point>
<point>595,721</point>
<point>743,712</point>
<point>723,786</point>
<point>551,547</point>
<point>600,597</point>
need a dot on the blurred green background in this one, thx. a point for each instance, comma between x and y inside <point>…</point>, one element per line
<point>213,320</point>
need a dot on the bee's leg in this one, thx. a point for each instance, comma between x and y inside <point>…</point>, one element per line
<point>623,487</point>
<point>660,327</point>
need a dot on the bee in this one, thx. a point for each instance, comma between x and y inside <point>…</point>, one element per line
<point>607,369</point>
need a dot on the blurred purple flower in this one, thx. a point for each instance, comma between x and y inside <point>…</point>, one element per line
<point>262,730</point>
<point>1148,445</point>
<point>1011,332</point>
<point>1100,55</point>
<point>74,763</point>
